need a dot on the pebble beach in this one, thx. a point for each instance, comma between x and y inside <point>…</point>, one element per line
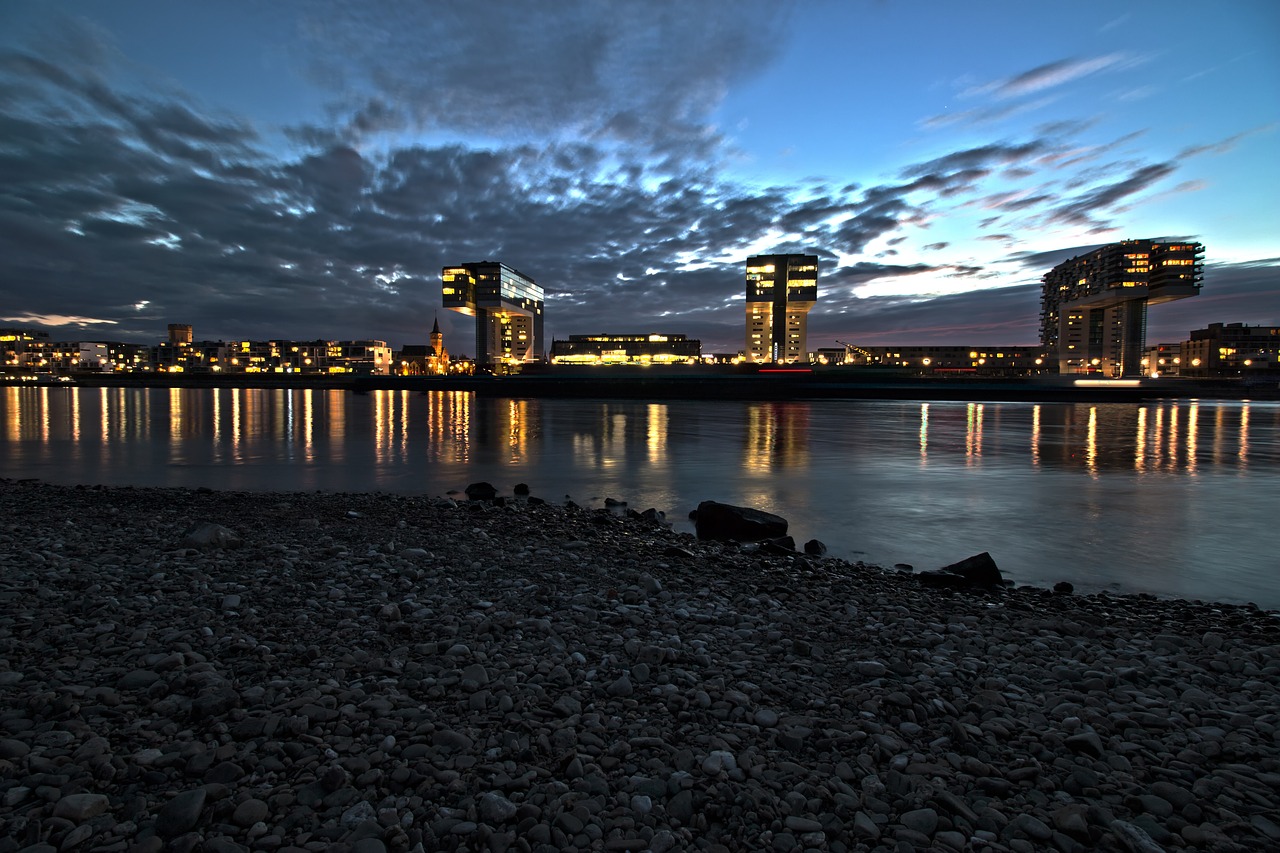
<point>373,672</point>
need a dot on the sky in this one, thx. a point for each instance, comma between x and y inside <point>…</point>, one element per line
<point>303,170</point>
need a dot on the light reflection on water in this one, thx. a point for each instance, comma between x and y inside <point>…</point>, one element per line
<point>1175,497</point>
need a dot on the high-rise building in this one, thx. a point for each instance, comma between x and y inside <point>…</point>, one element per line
<point>781,289</point>
<point>1093,308</point>
<point>508,308</point>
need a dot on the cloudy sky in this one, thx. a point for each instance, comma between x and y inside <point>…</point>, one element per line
<point>304,169</point>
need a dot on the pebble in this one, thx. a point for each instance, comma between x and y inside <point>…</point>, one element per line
<point>422,674</point>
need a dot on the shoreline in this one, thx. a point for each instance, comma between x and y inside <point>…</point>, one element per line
<point>726,384</point>
<point>379,671</point>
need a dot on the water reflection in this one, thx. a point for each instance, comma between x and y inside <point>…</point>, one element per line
<point>777,436</point>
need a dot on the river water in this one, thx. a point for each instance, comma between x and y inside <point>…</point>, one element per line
<point>1176,498</point>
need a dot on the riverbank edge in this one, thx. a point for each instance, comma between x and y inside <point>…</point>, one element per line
<point>642,385</point>
<point>361,648</point>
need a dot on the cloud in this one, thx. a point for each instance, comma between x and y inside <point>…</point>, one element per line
<point>638,74</point>
<point>1086,209</point>
<point>1052,74</point>
<point>1225,145</point>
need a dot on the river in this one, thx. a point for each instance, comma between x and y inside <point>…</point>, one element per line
<point>1176,498</point>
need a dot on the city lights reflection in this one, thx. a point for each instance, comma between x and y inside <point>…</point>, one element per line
<point>1035,436</point>
<point>973,432</point>
<point>1091,443</point>
<point>777,435</point>
<point>924,433</point>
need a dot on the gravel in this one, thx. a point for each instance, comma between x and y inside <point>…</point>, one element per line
<point>192,670</point>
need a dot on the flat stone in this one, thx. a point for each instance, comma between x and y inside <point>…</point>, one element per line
<point>80,807</point>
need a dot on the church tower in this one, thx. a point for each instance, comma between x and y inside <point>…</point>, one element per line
<point>438,359</point>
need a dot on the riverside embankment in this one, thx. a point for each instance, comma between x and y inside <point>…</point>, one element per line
<point>377,672</point>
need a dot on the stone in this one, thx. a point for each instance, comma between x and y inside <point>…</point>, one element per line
<point>977,571</point>
<point>815,548</point>
<point>923,821</point>
<point>1063,588</point>
<point>481,492</point>
<point>722,521</point>
<point>495,809</point>
<point>249,812</point>
<point>181,813</point>
<point>78,808</point>
<point>208,536</point>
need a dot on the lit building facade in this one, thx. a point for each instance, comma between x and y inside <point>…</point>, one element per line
<point>1093,308</point>
<point>508,309</point>
<point>432,360</point>
<point>626,349</point>
<point>1232,349</point>
<point>781,290</point>
<point>942,360</point>
<point>1162,360</point>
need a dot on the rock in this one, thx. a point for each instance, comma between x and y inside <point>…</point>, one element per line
<point>495,809</point>
<point>621,687</point>
<point>725,521</point>
<point>481,492</point>
<point>680,807</point>
<point>521,490</point>
<point>815,548</point>
<point>250,812</point>
<point>180,814</point>
<point>923,821</point>
<point>11,748</point>
<point>1133,839</point>
<point>1086,742</point>
<point>717,761</point>
<point>1063,588</point>
<point>207,536</point>
<point>781,546</point>
<point>977,571</point>
<point>78,808</point>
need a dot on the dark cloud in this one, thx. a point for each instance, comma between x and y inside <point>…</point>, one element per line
<point>1086,209</point>
<point>647,74</point>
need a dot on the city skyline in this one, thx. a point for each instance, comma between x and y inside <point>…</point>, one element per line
<point>288,172</point>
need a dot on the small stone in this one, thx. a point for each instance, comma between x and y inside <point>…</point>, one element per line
<point>621,687</point>
<point>250,812</point>
<point>495,809</point>
<point>180,814</point>
<point>923,821</point>
<point>80,807</point>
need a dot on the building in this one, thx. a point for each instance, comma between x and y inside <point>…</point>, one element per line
<point>943,360</point>
<point>1232,349</point>
<point>781,290</point>
<point>1162,360</point>
<point>508,307</point>
<point>181,333</point>
<point>626,349</point>
<point>432,360</point>
<point>1093,308</point>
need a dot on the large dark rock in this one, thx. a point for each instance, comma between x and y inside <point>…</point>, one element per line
<point>481,492</point>
<point>715,520</point>
<point>977,571</point>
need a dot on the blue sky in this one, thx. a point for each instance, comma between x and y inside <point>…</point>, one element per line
<point>303,170</point>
